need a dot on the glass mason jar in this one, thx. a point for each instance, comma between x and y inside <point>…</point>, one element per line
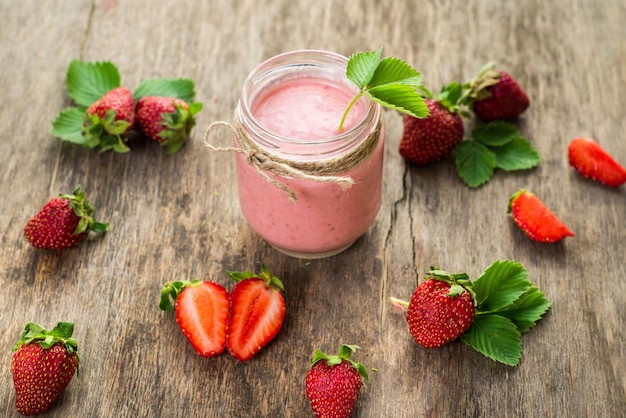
<point>305,187</point>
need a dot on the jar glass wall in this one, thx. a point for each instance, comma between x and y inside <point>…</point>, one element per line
<point>305,187</point>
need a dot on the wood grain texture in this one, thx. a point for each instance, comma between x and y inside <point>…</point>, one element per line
<point>178,217</point>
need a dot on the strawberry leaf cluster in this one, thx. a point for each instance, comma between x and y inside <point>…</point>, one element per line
<point>507,306</point>
<point>213,319</point>
<point>89,82</point>
<point>493,145</point>
<point>389,82</point>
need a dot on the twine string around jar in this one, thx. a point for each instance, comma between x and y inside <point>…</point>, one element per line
<point>319,171</point>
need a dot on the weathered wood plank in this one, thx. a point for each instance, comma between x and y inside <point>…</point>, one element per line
<point>178,217</point>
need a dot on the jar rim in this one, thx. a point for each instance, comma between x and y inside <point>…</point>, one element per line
<point>297,60</point>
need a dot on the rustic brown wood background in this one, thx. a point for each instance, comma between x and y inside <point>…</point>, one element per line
<point>178,217</point>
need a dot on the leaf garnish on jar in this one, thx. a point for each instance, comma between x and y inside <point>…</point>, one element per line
<point>390,82</point>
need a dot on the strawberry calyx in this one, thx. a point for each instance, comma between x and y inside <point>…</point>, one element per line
<point>459,282</point>
<point>345,351</point>
<point>452,97</point>
<point>178,125</point>
<point>172,289</point>
<point>36,334</point>
<point>107,133</point>
<point>269,279</point>
<point>84,211</point>
<point>477,88</point>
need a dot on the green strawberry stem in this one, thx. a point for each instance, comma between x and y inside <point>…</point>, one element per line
<point>345,351</point>
<point>399,303</point>
<point>345,114</point>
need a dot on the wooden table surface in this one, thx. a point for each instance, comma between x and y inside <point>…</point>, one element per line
<point>178,217</point>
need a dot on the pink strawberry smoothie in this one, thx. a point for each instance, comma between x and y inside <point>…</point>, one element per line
<point>326,219</point>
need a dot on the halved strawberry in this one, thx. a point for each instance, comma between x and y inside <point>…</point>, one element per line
<point>257,310</point>
<point>535,219</point>
<point>201,313</point>
<point>591,160</point>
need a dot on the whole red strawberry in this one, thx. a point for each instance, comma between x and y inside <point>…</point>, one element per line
<point>433,137</point>
<point>592,161</point>
<point>441,309</point>
<point>537,221</point>
<point>166,120</point>
<point>63,222</point>
<point>257,311</point>
<point>201,313</point>
<point>107,121</point>
<point>43,365</point>
<point>333,383</point>
<point>495,95</point>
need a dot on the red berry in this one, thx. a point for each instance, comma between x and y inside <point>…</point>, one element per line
<point>430,139</point>
<point>439,313</point>
<point>535,219</point>
<point>592,161</point>
<point>120,100</point>
<point>257,311</point>
<point>62,222</point>
<point>333,383</point>
<point>497,96</point>
<point>166,120</point>
<point>107,121</point>
<point>201,312</point>
<point>43,365</point>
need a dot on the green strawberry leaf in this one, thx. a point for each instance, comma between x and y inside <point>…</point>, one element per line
<point>527,309</point>
<point>31,331</point>
<point>475,163</point>
<point>389,82</point>
<point>68,125</point>
<point>63,330</point>
<point>450,96</point>
<point>346,350</point>
<point>178,88</point>
<point>495,133</point>
<point>399,97</point>
<point>361,67</point>
<point>494,145</point>
<point>501,284</point>
<point>195,108</point>
<point>392,71</point>
<point>87,82</point>
<point>495,337</point>
<point>517,154</point>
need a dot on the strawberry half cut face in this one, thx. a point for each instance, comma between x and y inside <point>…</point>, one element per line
<point>257,311</point>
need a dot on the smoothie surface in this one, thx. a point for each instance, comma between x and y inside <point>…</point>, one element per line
<point>306,108</point>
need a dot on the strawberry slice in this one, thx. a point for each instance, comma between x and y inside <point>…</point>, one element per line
<point>257,310</point>
<point>535,219</point>
<point>201,313</point>
<point>591,160</point>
